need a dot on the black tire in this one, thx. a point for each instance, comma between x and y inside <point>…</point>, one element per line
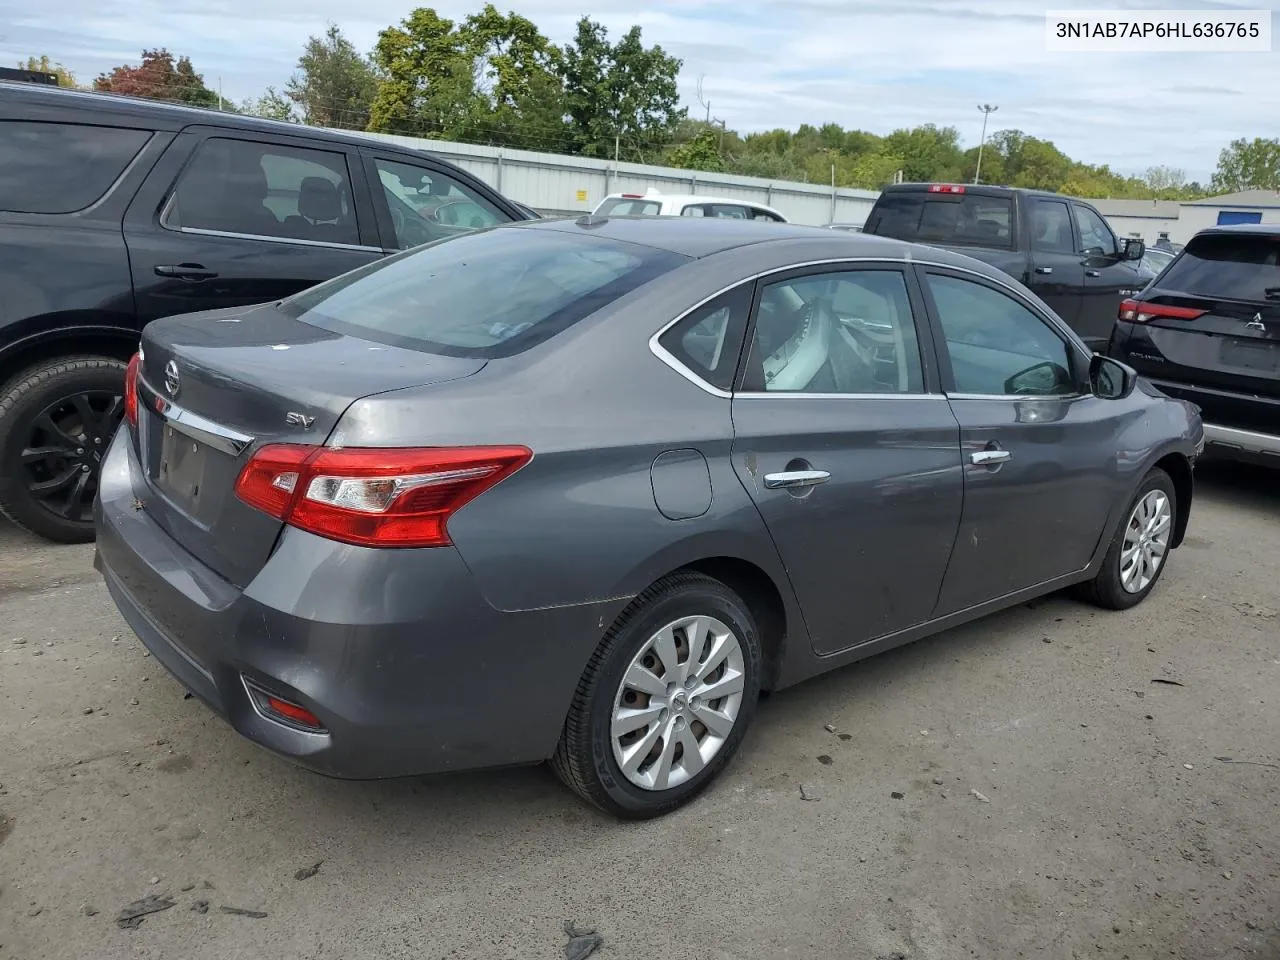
<point>1106,590</point>
<point>58,389</point>
<point>584,759</point>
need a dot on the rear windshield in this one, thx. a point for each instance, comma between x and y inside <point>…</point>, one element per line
<point>943,218</point>
<point>1240,267</point>
<point>492,293</point>
<point>61,167</point>
<point>625,207</point>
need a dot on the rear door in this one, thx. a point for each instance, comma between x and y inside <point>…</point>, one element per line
<point>1038,450</point>
<point>1214,323</point>
<point>1057,272</point>
<point>1108,279</point>
<point>848,449</point>
<point>230,218</point>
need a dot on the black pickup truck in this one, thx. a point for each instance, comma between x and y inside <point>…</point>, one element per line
<point>1059,247</point>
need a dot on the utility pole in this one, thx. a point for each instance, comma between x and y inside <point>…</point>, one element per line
<point>705,103</point>
<point>987,110</point>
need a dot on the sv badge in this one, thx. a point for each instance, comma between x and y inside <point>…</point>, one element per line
<point>299,420</point>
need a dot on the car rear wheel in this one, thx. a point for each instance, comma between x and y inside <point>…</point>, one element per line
<point>1140,547</point>
<point>665,701</point>
<point>56,421</point>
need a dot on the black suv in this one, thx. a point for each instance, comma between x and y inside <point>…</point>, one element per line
<point>1207,329</point>
<point>116,211</point>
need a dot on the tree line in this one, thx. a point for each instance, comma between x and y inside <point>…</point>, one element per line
<point>494,78</point>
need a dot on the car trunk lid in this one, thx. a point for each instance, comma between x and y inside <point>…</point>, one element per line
<point>215,386</point>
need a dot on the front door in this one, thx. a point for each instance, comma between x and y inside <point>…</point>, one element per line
<point>1057,274</point>
<point>849,450</point>
<point>230,218</point>
<point>1108,278</point>
<point>1039,452</point>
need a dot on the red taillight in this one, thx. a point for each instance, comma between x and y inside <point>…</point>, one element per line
<point>131,389</point>
<point>1136,311</point>
<point>632,196</point>
<point>946,188</point>
<point>374,496</point>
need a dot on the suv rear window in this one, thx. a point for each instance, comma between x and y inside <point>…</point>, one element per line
<point>627,207</point>
<point>1239,267</point>
<point>488,294</point>
<point>943,218</point>
<point>61,167</point>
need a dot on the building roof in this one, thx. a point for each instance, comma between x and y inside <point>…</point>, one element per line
<point>1157,209</point>
<point>1244,198</point>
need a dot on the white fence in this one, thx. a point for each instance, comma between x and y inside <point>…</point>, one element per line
<point>562,185</point>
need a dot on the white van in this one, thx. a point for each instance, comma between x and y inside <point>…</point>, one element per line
<point>655,204</point>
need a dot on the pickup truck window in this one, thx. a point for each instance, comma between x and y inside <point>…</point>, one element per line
<point>1051,227</point>
<point>1095,236</point>
<point>965,219</point>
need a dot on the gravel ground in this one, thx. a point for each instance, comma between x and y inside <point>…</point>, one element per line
<point>1028,786</point>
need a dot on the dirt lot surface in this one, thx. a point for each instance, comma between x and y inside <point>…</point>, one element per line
<point>1046,783</point>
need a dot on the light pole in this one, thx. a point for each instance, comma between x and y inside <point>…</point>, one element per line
<point>987,110</point>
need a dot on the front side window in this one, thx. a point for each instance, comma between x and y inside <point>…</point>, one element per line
<point>265,190</point>
<point>61,167</point>
<point>725,211</point>
<point>427,205</point>
<point>1095,236</point>
<point>709,340</point>
<point>1051,227</point>
<point>848,331</point>
<point>997,346</point>
<point>487,294</point>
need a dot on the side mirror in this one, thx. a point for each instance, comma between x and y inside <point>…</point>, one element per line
<point>1110,379</point>
<point>1134,249</point>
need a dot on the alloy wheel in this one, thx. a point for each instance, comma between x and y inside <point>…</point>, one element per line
<point>1146,541</point>
<point>678,702</point>
<point>62,456</point>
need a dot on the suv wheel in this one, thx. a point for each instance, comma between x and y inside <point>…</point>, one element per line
<point>56,421</point>
<point>665,701</point>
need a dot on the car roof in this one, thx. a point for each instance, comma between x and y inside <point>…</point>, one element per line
<point>173,116</point>
<point>688,198</point>
<point>1254,229</point>
<point>978,189</point>
<point>698,237</point>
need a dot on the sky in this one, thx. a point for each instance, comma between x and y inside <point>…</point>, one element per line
<point>875,65</point>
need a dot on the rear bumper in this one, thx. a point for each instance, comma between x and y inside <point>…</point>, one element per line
<point>410,670</point>
<point>1234,423</point>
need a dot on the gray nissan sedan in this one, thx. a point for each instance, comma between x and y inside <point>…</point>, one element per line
<point>581,490</point>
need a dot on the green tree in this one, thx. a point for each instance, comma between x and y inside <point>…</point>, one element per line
<point>700,152</point>
<point>622,93</point>
<point>334,85</point>
<point>272,105</point>
<point>44,65</point>
<point>1248,165</point>
<point>160,77</point>
<point>928,152</point>
<point>1165,182</point>
<point>428,85</point>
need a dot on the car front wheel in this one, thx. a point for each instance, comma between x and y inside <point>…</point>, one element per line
<point>1140,547</point>
<point>665,701</point>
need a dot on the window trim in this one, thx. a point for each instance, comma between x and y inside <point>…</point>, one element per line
<point>203,134</point>
<point>1077,355</point>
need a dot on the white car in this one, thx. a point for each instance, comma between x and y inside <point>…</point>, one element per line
<point>654,204</point>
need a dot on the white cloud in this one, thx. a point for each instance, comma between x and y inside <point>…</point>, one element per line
<point>869,64</point>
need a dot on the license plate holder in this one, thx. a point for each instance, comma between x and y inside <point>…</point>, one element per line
<point>180,472</point>
<point>1250,355</point>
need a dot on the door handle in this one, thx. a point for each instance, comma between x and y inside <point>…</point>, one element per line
<point>985,458</point>
<point>795,478</point>
<point>1045,270</point>
<point>191,272</point>
<point>1092,273</point>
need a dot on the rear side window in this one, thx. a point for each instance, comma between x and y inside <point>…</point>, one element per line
<point>61,167</point>
<point>944,218</point>
<point>626,207</point>
<point>1240,267</point>
<point>487,294</point>
<point>709,340</point>
<point>724,211</point>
